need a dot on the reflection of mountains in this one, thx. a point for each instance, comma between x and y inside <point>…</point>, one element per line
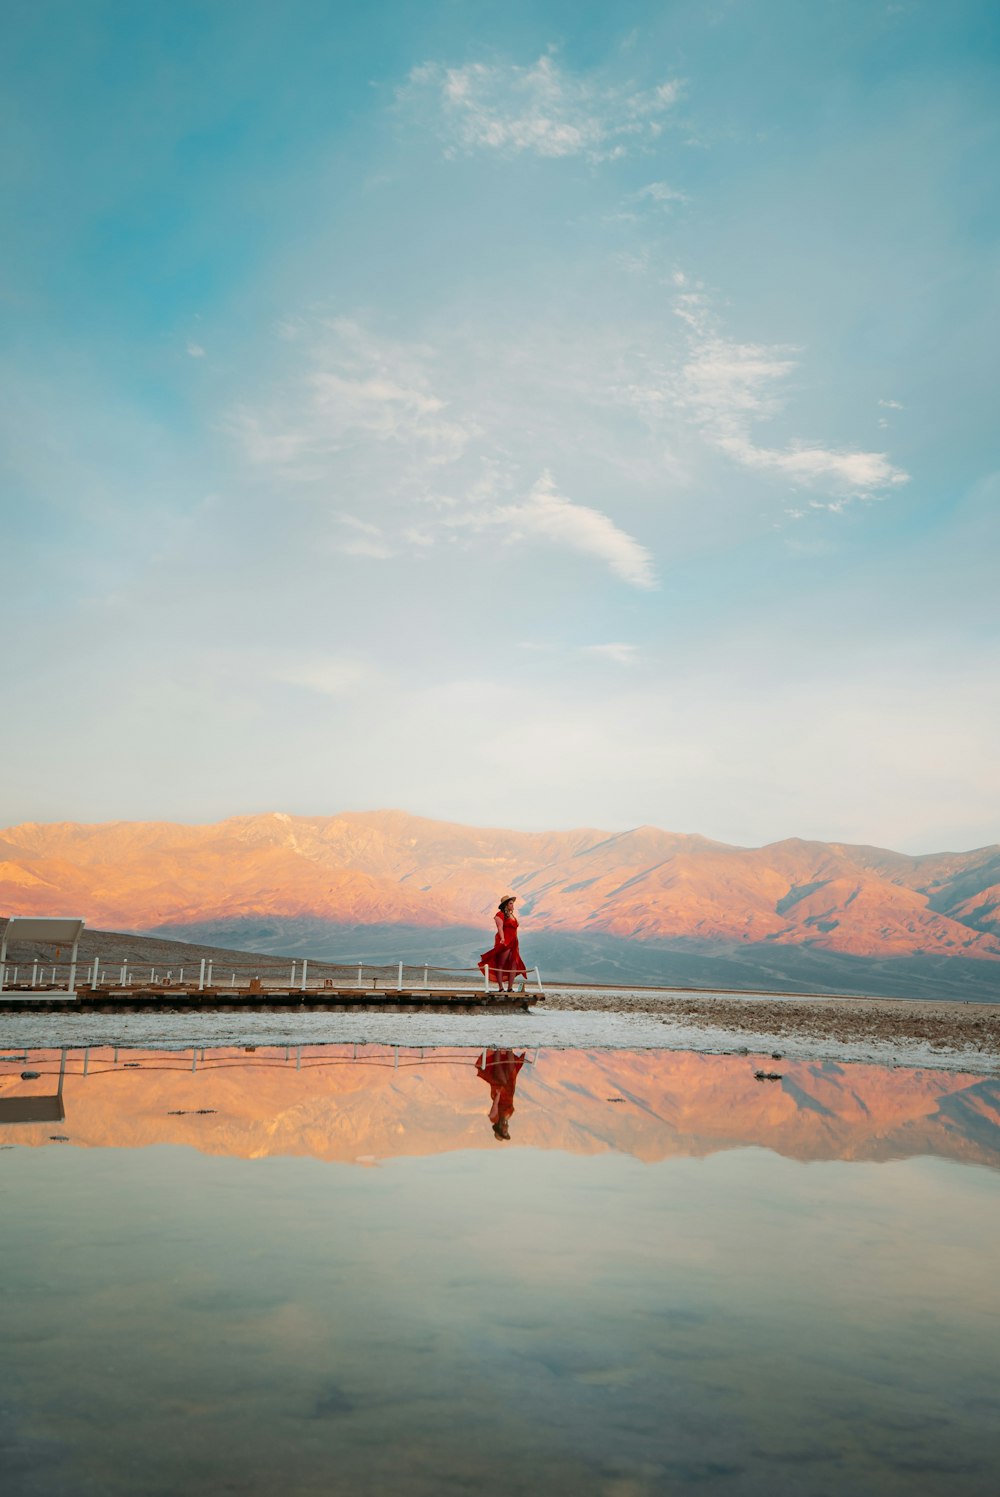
<point>649,1105</point>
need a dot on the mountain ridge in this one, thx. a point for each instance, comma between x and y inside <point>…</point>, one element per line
<point>390,867</point>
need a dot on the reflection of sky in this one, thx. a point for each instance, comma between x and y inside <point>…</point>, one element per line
<point>669,330</point>
<point>511,1321</point>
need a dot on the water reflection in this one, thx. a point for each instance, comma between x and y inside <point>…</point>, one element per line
<point>675,1301</point>
<point>358,1103</point>
<point>499,1069</point>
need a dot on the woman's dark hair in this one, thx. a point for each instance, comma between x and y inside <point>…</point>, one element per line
<point>504,903</point>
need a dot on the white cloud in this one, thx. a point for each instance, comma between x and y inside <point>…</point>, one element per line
<point>361,538</point>
<point>195,351</point>
<point>545,515</point>
<point>728,388</point>
<point>348,387</point>
<point>540,109</point>
<point>661,192</point>
<point>619,654</point>
<point>892,405</point>
<point>327,675</point>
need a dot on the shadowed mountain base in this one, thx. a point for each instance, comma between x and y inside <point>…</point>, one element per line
<point>586,957</point>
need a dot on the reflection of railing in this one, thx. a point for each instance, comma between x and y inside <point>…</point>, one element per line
<point>100,1060</point>
<point>250,977</point>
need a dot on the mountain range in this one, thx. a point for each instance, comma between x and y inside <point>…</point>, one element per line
<point>280,882</point>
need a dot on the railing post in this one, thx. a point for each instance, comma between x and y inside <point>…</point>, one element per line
<point>291,980</point>
<point>34,974</point>
<point>210,971</point>
<point>399,979</point>
<point>201,976</point>
<point>486,977</point>
<point>360,965</point>
<point>305,969</point>
<point>538,976</point>
<point>425,977</point>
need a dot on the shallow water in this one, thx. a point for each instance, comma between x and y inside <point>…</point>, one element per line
<point>552,1028</point>
<point>319,1271</point>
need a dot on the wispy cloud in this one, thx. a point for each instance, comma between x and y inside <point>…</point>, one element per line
<point>359,537</point>
<point>661,193</point>
<point>348,386</point>
<point>618,654</point>
<point>542,109</point>
<point>727,389</point>
<point>195,351</point>
<point>327,675</point>
<point>546,515</point>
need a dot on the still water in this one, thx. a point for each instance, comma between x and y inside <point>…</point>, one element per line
<point>327,1270</point>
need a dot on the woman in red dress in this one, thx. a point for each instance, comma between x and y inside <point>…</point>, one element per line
<point>504,960</point>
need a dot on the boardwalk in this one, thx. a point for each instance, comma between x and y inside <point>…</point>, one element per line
<point>251,985</point>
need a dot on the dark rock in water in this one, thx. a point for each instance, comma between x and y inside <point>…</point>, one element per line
<point>30,1075</point>
<point>203,1112</point>
<point>58,1138</point>
<point>777,1055</point>
<point>614,1099</point>
<point>767,1076</point>
<point>333,1401</point>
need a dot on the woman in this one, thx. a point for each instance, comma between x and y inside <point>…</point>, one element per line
<point>504,960</point>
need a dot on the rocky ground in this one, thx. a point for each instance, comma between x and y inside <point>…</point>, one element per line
<point>945,1026</point>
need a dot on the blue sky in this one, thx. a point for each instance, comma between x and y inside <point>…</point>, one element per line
<point>525,415</point>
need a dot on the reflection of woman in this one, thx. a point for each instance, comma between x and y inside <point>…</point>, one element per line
<point>499,1068</point>
<point>504,960</point>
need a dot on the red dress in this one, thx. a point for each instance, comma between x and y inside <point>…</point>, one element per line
<point>504,959</point>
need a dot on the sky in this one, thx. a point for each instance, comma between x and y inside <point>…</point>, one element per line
<point>529,414</point>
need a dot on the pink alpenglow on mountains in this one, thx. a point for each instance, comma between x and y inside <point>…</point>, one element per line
<point>386,867</point>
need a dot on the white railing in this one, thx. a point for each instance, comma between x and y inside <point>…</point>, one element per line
<point>246,978</point>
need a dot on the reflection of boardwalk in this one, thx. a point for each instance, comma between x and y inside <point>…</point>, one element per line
<point>36,1107</point>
